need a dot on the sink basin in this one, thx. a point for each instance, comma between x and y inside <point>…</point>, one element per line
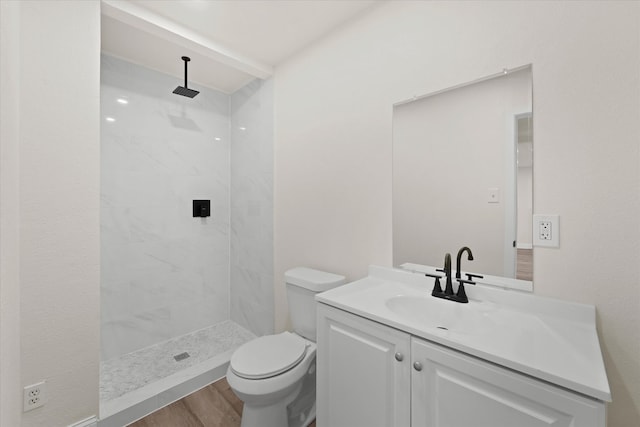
<point>425,310</point>
<point>555,341</point>
<point>430,312</point>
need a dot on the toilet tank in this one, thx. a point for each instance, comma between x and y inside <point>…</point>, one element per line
<point>302,285</point>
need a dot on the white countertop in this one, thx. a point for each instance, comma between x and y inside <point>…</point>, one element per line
<point>552,340</point>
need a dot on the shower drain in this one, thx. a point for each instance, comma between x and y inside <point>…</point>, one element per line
<point>181,356</point>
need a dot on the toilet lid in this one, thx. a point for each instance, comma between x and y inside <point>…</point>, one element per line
<point>268,356</point>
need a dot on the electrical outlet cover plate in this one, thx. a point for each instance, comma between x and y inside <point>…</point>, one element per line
<point>546,230</point>
<point>35,396</point>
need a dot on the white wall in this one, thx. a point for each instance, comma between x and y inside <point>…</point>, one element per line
<point>333,146</point>
<point>10,382</point>
<point>59,207</point>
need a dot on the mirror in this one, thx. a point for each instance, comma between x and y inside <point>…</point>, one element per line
<point>462,176</point>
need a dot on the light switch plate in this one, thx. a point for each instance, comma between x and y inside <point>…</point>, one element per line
<point>546,230</point>
<point>493,195</point>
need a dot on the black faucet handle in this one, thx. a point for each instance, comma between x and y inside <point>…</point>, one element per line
<point>471,276</point>
<point>461,295</point>
<point>437,289</point>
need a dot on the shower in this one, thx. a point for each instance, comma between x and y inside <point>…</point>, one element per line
<point>172,283</point>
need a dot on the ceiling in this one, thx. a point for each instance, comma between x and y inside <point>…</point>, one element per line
<point>230,42</point>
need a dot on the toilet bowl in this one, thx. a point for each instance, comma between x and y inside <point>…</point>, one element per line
<point>266,395</point>
<point>274,375</point>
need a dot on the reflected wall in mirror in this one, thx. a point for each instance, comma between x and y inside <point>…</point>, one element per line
<point>462,176</point>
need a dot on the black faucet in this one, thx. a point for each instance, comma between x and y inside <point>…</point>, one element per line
<point>461,295</point>
<point>469,257</point>
<point>448,289</point>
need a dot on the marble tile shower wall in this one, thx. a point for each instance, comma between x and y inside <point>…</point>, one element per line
<point>252,278</point>
<point>163,272</point>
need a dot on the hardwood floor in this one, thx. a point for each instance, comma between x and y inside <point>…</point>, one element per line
<point>212,406</point>
<point>524,264</point>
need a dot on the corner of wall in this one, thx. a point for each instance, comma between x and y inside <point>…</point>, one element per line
<point>251,267</point>
<point>10,396</point>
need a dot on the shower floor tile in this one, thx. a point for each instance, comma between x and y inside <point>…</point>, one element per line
<point>133,371</point>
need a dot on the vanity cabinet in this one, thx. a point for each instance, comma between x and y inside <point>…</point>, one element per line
<point>454,389</point>
<point>373,375</point>
<point>363,372</point>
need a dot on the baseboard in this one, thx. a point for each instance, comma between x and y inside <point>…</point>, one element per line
<point>92,421</point>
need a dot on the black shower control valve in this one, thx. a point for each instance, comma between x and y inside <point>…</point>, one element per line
<point>201,208</point>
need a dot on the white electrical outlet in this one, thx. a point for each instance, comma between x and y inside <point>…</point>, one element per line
<point>35,395</point>
<point>546,230</point>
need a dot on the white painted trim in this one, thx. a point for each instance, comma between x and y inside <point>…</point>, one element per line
<point>524,245</point>
<point>92,421</point>
<point>143,19</point>
<point>502,73</point>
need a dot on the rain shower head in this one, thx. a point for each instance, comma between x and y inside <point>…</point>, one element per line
<point>184,90</point>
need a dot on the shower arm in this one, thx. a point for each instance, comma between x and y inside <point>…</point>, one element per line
<point>186,60</point>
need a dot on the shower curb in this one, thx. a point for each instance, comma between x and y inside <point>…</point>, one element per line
<point>139,403</point>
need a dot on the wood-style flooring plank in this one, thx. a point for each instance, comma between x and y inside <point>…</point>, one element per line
<point>212,409</point>
<point>225,389</point>
<point>215,405</point>
<point>524,264</point>
<point>176,415</point>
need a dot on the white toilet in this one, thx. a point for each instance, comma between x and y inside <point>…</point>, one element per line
<point>274,375</point>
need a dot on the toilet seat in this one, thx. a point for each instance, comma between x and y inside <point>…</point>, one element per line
<point>268,356</point>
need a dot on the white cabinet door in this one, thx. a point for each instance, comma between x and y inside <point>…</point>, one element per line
<point>452,389</point>
<point>363,372</point>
